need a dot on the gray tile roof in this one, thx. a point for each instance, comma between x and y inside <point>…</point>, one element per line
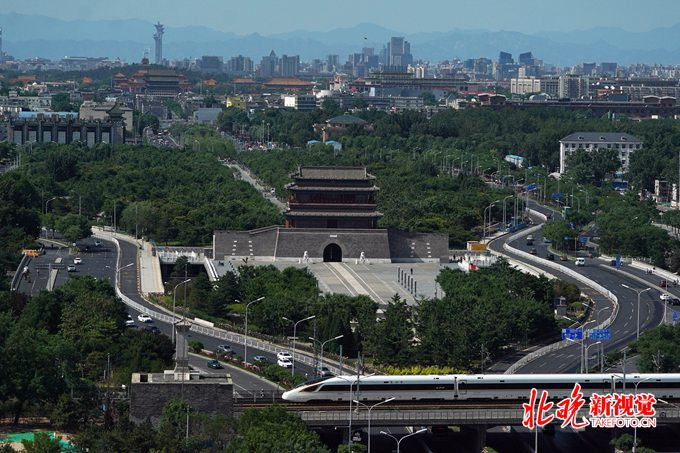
<point>603,137</point>
<point>296,213</point>
<point>332,173</point>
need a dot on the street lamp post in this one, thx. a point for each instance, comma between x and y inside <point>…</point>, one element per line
<point>638,292</point>
<point>295,324</point>
<point>370,408</point>
<point>322,346</point>
<point>586,353</point>
<point>398,441</point>
<point>597,316</point>
<point>174,298</point>
<point>505,222</point>
<point>583,335</point>
<point>351,383</point>
<point>245,353</point>
<point>484,219</point>
<point>597,323</point>
<point>635,427</point>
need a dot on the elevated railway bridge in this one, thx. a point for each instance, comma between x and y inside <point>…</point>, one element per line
<point>476,415</point>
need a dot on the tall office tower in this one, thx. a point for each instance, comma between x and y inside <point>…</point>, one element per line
<point>333,62</point>
<point>158,38</point>
<point>505,58</point>
<point>268,65</point>
<point>1,59</point>
<point>526,58</point>
<point>399,53</point>
<point>290,66</point>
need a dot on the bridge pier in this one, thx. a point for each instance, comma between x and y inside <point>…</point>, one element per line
<point>480,438</point>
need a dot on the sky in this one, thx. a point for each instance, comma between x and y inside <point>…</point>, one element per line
<point>276,16</point>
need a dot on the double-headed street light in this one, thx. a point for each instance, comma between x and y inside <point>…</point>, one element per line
<point>638,292</point>
<point>484,220</point>
<point>370,408</point>
<point>174,298</point>
<point>295,324</point>
<point>245,353</point>
<point>586,353</point>
<point>583,335</point>
<point>398,441</point>
<point>323,343</point>
<point>635,427</point>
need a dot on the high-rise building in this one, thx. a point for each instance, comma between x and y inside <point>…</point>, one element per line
<point>399,53</point>
<point>240,65</point>
<point>505,58</point>
<point>526,58</point>
<point>608,69</point>
<point>333,62</point>
<point>158,38</point>
<point>588,69</point>
<point>211,64</point>
<point>1,56</point>
<point>268,65</point>
<point>573,87</point>
<point>290,66</point>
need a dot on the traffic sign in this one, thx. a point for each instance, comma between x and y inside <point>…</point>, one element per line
<point>675,316</point>
<point>572,334</point>
<point>600,334</point>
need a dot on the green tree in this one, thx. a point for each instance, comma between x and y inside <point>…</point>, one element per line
<point>274,429</point>
<point>391,340</point>
<point>74,227</point>
<point>61,102</point>
<point>42,443</point>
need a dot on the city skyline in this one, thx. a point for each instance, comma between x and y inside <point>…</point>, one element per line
<point>270,17</point>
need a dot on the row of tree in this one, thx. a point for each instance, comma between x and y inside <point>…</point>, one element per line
<point>167,195</point>
<point>492,309</point>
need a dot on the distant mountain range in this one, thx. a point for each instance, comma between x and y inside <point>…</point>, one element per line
<point>26,36</point>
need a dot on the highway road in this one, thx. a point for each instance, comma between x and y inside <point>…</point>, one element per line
<point>100,262</point>
<point>624,326</point>
<point>130,287</point>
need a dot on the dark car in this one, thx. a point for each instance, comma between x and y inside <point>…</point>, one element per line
<point>214,364</point>
<point>551,256</point>
<point>674,301</point>
<point>152,329</point>
<point>533,251</point>
<point>530,242</point>
<point>260,359</point>
<point>663,283</point>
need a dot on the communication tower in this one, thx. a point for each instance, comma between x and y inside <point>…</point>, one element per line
<point>158,38</point>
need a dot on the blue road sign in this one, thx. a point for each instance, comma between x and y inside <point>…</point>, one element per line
<point>572,334</point>
<point>675,316</point>
<point>600,334</point>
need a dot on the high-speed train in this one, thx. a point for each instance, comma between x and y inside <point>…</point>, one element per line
<point>480,386</point>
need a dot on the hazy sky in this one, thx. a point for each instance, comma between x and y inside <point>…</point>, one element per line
<point>409,16</point>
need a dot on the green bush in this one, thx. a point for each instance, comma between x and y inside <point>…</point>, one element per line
<point>196,346</point>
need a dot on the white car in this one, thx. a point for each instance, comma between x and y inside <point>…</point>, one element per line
<point>580,262</point>
<point>129,321</point>
<point>77,260</point>
<point>284,355</point>
<point>142,317</point>
<point>665,297</point>
<point>284,363</point>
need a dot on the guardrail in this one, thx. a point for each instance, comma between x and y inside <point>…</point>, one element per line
<point>214,332</point>
<point>575,275</point>
<point>19,273</point>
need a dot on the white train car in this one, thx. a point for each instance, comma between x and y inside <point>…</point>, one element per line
<point>479,387</point>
